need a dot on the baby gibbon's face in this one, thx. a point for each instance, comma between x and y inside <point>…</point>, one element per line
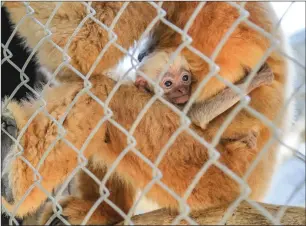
<point>176,82</point>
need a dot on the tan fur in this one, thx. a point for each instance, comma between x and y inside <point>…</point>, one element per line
<point>186,156</point>
<point>89,41</point>
<point>155,63</point>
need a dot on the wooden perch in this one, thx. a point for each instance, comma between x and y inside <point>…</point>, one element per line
<point>244,214</point>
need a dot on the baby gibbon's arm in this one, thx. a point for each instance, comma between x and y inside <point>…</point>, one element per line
<point>203,112</point>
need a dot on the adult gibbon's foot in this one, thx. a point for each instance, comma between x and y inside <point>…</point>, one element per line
<point>75,210</point>
<point>8,124</point>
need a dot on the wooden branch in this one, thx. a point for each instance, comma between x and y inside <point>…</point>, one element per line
<point>245,214</point>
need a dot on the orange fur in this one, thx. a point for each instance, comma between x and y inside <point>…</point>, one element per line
<point>186,156</point>
<point>121,194</point>
<point>137,174</point>
<point>243,49</point>
<point>208,192</point>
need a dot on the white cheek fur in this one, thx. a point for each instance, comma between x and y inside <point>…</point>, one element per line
<point>126,68</point>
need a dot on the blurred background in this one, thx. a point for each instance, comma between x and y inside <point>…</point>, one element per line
<point>290,174</point>
<point>289,181</point>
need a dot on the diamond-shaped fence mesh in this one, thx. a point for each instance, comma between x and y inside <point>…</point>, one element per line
<point>52,30</point>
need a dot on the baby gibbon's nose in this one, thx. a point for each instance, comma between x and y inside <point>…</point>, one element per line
<point>183,90</point>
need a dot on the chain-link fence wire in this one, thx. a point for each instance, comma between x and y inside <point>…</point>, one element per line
<point>184,209</point>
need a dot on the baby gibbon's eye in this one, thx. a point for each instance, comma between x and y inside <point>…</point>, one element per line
<point>168,83</point>
<point>185,78</point>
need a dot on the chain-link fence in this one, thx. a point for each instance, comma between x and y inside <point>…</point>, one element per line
<point>45,27</point>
